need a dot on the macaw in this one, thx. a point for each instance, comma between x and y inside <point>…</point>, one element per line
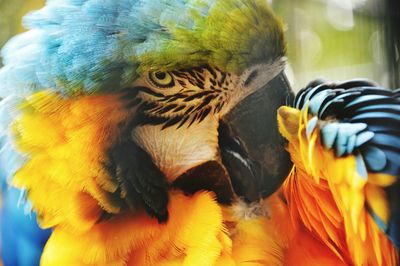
<point>117,114</point>
<point>146,133</point>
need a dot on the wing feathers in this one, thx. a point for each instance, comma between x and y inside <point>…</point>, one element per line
<point>347,140</point>
<point>358,117</point>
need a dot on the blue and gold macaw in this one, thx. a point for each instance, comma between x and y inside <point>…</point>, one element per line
<point>146,133</point>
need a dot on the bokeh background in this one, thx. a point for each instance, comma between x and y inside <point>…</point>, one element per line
<point>342,39</point>
<point>333,39</point>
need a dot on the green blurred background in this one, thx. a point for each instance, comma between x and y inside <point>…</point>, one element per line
<point>342,39</point>
<point>11,12</point>
<point>333,39</point>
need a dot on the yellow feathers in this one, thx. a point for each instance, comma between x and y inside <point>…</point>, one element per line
<point>194,229</point>
<point>66,140</point>
<point>327,196</point>
<point>317,218</point>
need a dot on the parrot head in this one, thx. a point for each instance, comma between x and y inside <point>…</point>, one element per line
<point>186,118</point>
<point>192,105</point>
<point>202,79</point>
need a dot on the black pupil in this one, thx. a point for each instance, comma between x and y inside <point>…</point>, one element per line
<point>161,75</point>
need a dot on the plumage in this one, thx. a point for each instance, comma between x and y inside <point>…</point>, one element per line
<point>80,213</point>
<point>127,126</point>
<point>87,46</point>
<point>76,148</point>
<point>31,238</point>
<point>114,101</point>
<point>20,233</point>
<point>339,186</point>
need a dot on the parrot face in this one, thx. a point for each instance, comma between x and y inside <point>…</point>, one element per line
<point>204,129</point>
<point>178,112</point>
<point>182,97</point>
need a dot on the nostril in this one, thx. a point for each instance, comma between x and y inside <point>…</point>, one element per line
<point>251,77</point>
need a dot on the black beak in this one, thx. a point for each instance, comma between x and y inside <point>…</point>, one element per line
<point>254,159</point>
<point>252,149</point>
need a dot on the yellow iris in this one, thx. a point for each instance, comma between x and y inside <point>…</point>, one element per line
<point>161,79</point>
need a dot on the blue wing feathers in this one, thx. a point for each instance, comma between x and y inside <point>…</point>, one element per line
<point>393,230</point>
<point>22,240</point>
<point>344,105</point>
<point>361,119</point>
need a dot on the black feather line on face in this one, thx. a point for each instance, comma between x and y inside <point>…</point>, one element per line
<point>187,106</point>
<point>179,108</point>
<point>197,96</point>
<point>211,71</point>
<point>167,108</point>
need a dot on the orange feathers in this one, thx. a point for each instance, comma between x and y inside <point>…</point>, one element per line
<point>326,195</point>
<point>317,218</point>
<point>66,140</point>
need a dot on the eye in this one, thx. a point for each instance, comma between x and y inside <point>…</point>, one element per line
<point>161,79</point>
